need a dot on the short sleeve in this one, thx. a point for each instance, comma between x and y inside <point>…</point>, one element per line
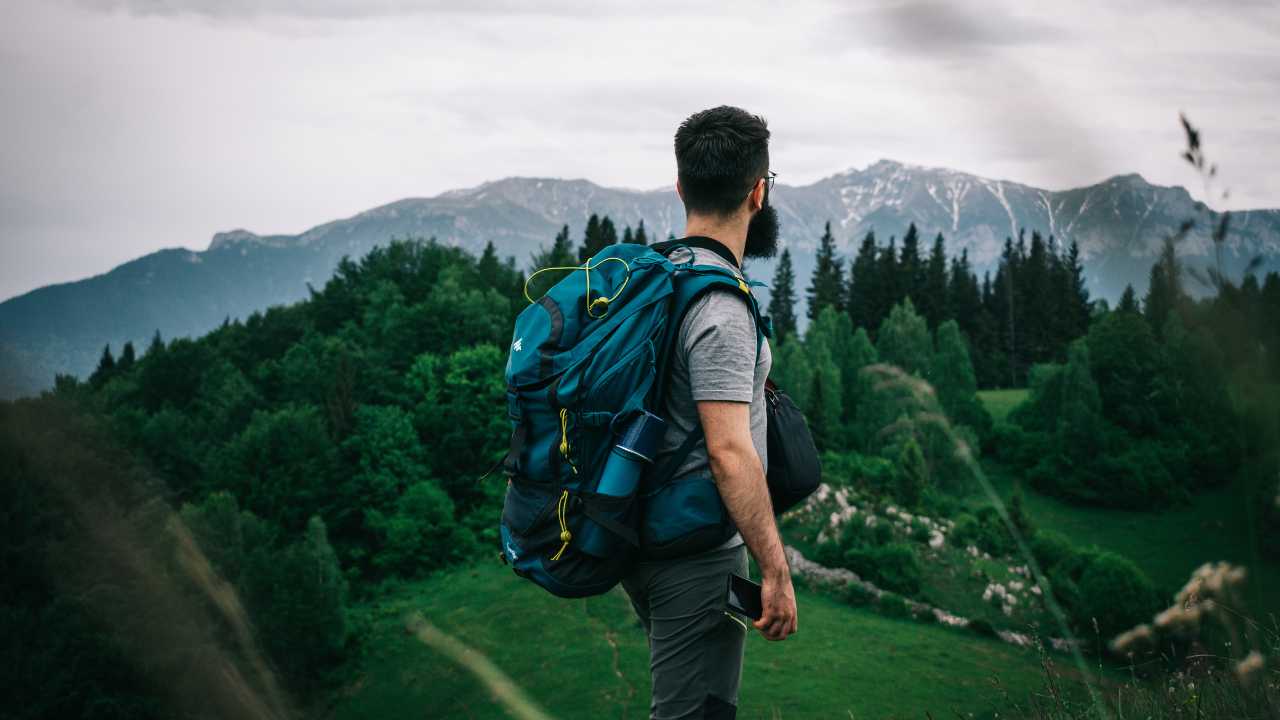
<point>719,341</point>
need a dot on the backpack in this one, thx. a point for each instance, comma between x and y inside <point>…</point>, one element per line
<point>585,373</point>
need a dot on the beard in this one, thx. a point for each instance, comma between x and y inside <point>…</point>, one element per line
<point>762,232</point>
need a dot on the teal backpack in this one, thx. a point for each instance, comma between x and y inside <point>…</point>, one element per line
<point>585,375</point>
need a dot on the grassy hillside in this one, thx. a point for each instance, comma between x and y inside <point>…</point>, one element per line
<point>1168,545</point>
<point>1000,402</point>
<point>588,658</point>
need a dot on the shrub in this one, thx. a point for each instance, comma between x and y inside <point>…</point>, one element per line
<point>857,595</point>
<point>1116,593</point>
<point>893,606</point>
<point>1050,548</point>
<point>982,627</point>
<point>984,530</point>
<point>892,567</point>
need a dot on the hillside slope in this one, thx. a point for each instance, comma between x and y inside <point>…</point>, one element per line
<point>588,659</point>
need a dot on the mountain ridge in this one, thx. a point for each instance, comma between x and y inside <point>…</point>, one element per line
<point>1119,224</point>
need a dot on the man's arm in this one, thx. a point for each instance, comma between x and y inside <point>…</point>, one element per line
<point>740,478</point>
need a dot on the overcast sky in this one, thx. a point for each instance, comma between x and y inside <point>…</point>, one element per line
<point>133,125</point>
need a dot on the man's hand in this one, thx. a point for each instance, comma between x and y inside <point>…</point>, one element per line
<point>779,600</point>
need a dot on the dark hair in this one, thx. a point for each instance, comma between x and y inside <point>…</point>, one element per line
<point>720,154</point>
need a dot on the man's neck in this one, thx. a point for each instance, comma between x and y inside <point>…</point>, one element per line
<point>732,233</point>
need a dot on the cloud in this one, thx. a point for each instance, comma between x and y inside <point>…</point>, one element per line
<point>357,9</point>
<point>942,30</point>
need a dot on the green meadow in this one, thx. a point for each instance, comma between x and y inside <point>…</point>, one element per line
<point>588,659</point>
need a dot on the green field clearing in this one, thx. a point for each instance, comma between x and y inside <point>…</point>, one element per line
<point>843,659</point>
<point>1168,544</point>
<point>1000,402</point>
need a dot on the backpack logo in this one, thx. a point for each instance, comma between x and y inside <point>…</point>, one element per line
<point>516,345</point>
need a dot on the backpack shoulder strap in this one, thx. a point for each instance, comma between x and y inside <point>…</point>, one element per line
<point>691,283</point>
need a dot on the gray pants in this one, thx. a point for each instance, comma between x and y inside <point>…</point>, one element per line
<point>695,649</point>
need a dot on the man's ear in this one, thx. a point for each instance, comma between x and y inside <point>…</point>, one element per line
<point>755,199</point>
<point>679,190</point>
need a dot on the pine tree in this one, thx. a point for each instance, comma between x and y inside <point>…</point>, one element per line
<point>106,368</point>
<point>904,340</point>
<point>608,233</point>
<point>127,357</point>
<point>640,238</point>
<point>156,347</point>
<point>1164,291</point>
<point>888,289</point>
<point>912,476</point>
<point>951,373</point>
<point>827,286</point>
<point>627,238</point>
<point>910,267</point>
<point>1077,301</point>
<point>560,254</point>
<point>782,299</point>
<point>489,266</point>
<point>1128,301</point>
<point>933,294</point>
<point>863,288</point>
<point>596,237</point>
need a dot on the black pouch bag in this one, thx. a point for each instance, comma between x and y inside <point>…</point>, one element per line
<point>794,468</point>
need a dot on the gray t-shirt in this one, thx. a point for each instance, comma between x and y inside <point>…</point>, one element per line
<point>715,359</point>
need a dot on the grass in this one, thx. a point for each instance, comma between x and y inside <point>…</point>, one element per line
<point>1168,544</point>
<point>1000,402</point>
<point>588,658</point>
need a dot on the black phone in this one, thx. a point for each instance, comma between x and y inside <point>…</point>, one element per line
<point>743,597</point>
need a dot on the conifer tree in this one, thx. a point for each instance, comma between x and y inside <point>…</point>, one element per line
<point>912,476</point>
<point>1164,291</point>
<point>560,254</point>
<point>489,265</point>
<point>863,290</point>
<point>598,235</point>
<point>106,368</point>
<point>156,347</point>
<point>910,267</point>
<point>127,357</point>
<point>951,373</point>
<point>1128,301</point>
<point>933,295</point>
<point>1076,303</point>
<point>827,287</point>
<point>888,285</point>
<point>608,233</point>
<point>904,340</point>
<point>627,238</point>
<point>782,299</point>
<point>640,238</point>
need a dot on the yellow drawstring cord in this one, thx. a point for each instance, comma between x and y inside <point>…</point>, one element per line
<point>565,535</point>
<point>587,267</point>
<point>564,439</point>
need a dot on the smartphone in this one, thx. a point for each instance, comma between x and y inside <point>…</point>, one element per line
<point>743,597</point>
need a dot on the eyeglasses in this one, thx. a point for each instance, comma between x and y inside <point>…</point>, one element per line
<point>768,182</point>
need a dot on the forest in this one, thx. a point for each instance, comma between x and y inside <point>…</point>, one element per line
<point>324,454</point>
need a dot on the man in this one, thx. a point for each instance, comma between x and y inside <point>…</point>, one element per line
<point>722,158</point>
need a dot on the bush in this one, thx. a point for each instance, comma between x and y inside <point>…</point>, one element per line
<point>982,627</point>
<point>1050,548</point>
<point>985,530</point>
<point>857,595</point>
<point>1116,593</point>
<point>893,606</point>
<point>892,567</point>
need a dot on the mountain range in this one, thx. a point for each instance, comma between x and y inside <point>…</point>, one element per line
<point>1119,225</point>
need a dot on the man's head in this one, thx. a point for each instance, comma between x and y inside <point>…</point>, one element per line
<point>722,159</point>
